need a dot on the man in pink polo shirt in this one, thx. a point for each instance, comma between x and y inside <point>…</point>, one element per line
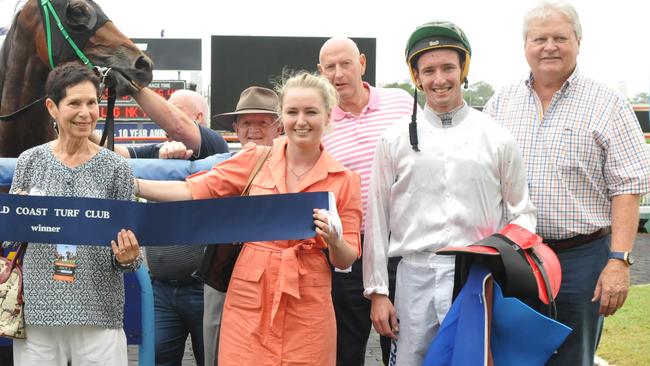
<point>361,116</point>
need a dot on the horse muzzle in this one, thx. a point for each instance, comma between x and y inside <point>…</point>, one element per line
<point>126,80</point>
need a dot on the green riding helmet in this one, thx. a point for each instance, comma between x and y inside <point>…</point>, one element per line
<point>437,34</point>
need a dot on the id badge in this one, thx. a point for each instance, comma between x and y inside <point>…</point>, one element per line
<point>65,262</point>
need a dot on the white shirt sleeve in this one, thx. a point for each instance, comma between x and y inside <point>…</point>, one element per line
<point>514,188</point>
<point>376,241</point>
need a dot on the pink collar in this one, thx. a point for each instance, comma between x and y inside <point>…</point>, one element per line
<point>373,104</point>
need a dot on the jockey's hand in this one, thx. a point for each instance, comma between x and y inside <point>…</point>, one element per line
<point>383,316</point>
<point>174,150</point>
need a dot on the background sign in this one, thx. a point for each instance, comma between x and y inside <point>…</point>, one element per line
<point>131,123</point>
<point>172,53</point>
<point>242,61</point>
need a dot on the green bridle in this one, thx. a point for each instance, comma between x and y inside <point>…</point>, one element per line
<point>47,10</point>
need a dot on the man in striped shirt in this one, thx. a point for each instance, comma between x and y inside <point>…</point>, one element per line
<point>363,113</point>
<point>587,165</point>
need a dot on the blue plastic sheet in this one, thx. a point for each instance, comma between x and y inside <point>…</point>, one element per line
<point>519,334</point>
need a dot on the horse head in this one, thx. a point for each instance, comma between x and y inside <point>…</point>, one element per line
<point>98,39</point>
<point>38,40</point>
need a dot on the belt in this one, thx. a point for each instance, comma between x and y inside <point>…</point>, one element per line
<point>578,240</point>
<point>177,283</point>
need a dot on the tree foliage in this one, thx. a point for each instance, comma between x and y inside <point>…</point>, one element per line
<point>640,98</point>
<point>408,86</point>
<point>476,95</point>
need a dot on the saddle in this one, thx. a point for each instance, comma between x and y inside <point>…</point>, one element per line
<point>520,262</point>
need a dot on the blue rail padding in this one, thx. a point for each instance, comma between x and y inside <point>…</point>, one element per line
<point>147,350</point>
<point>132,309</point>
<point>139,314</point>
<point>156,169</point>
<point>7,167</point>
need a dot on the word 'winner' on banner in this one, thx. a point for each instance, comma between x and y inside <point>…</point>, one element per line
<point>88,221</point>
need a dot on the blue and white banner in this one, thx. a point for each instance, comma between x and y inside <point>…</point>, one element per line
<point>88,221</point>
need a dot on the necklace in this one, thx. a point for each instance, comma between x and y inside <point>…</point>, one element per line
<point>301,175</point>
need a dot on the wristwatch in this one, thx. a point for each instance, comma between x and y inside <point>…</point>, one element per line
<point>626,257</point>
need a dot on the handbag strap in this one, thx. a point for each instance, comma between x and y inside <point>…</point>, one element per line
<point>266,151</point>
<point>4,276</point>
<point>19,254</point>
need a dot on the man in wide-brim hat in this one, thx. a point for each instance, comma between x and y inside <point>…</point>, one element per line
<point>255,118</point>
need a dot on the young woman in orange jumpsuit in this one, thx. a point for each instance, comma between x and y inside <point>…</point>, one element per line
<point>278,309</point>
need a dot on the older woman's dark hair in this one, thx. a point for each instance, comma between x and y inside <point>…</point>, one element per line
<point>65,76</point>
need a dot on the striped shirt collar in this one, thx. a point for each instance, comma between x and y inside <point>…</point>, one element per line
<point>373,104</point>
<point>573,78</point>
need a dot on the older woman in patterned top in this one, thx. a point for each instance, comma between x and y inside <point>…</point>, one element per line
<point>74,295</point>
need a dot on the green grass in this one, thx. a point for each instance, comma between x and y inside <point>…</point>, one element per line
<point>626,337</point>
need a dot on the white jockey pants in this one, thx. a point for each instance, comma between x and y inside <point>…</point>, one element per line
<point>424,286</point>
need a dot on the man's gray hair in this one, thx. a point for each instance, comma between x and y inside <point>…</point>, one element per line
<point>549,7</point>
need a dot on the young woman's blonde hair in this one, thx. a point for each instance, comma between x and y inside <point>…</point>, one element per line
<point>305,79</point>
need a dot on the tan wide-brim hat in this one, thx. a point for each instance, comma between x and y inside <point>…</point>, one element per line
<point>252,100</point>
